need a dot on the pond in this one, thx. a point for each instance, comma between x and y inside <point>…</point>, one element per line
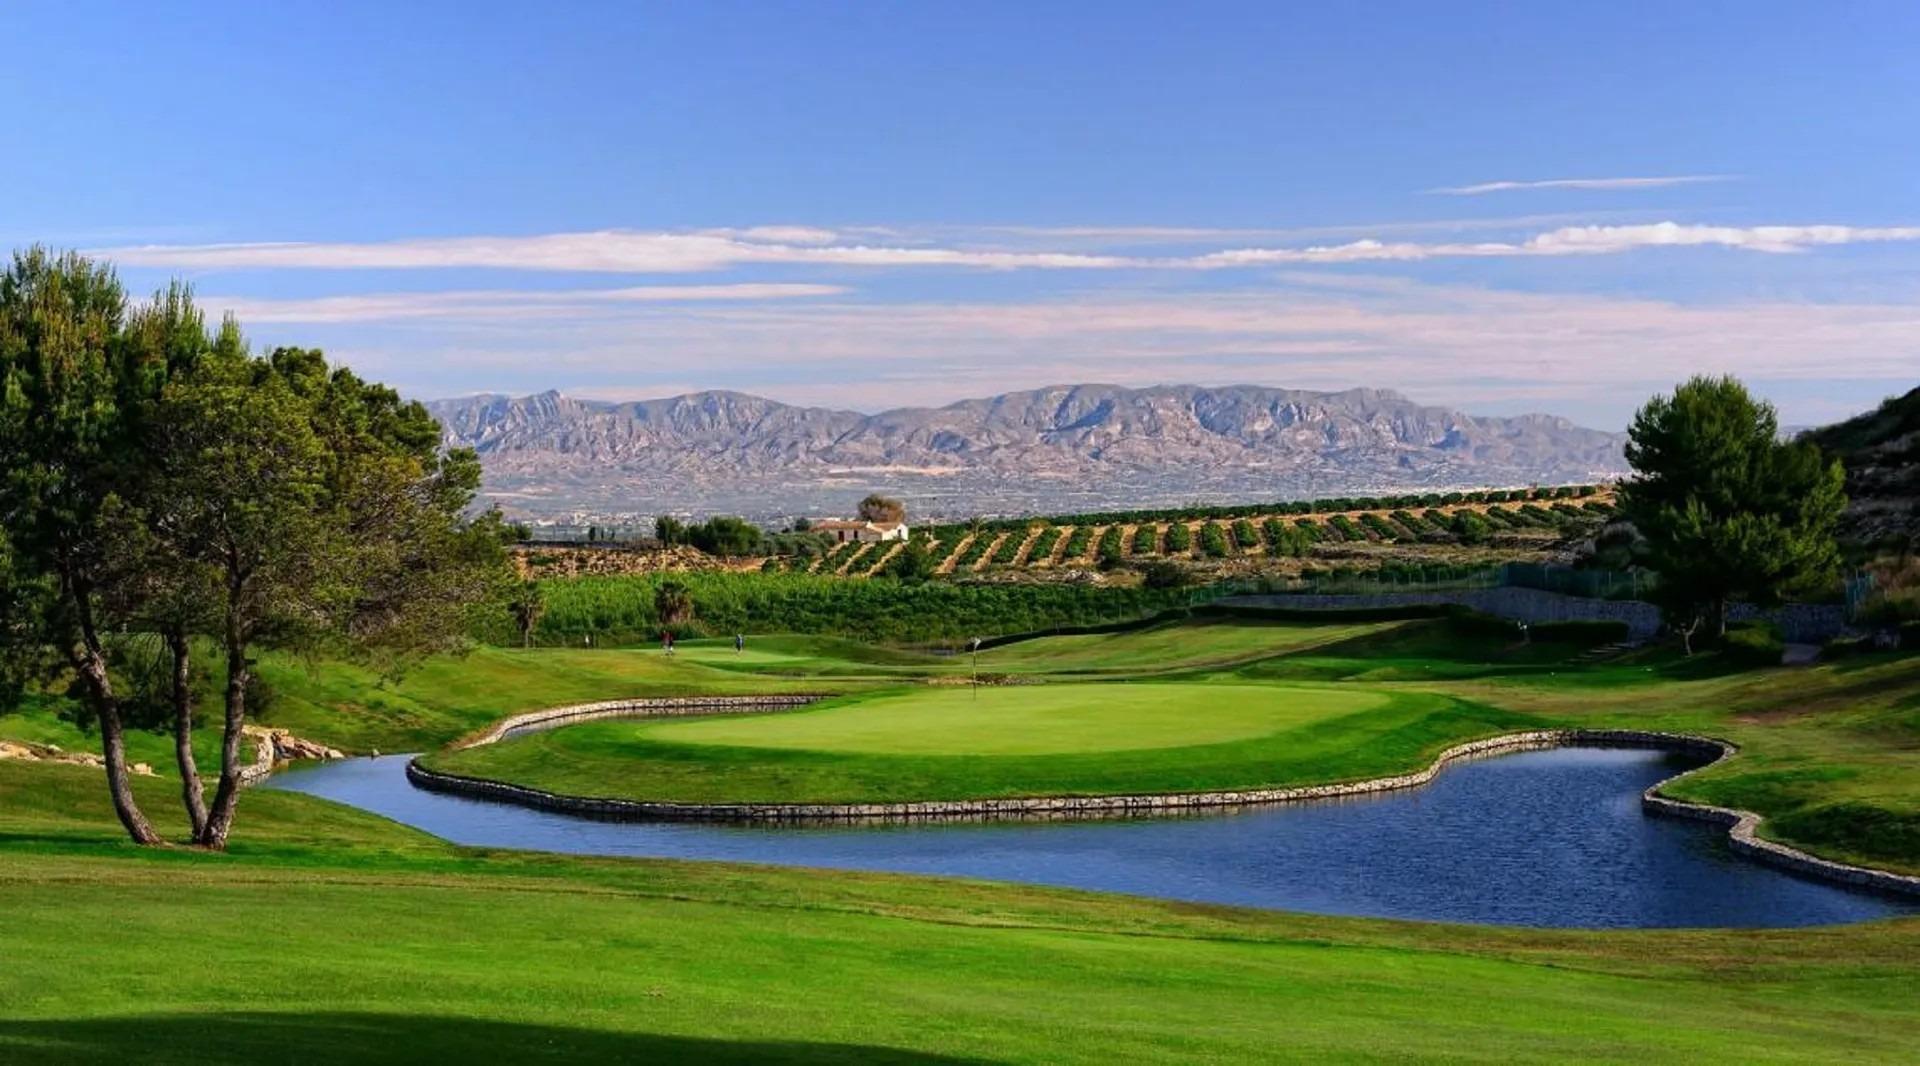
<point>1550,838</point>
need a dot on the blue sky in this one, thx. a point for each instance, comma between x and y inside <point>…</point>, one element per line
<point>1556,207</point>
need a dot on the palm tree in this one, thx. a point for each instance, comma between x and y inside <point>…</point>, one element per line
<point>527,605</point>
<point>673,603</point>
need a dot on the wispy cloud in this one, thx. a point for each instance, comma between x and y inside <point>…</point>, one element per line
<point>1449,344</point>
<point>1581,183</point>
<point>626,251</point>
<point>504,303</point>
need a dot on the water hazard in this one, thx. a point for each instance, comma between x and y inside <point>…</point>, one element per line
<point>1551,838</point>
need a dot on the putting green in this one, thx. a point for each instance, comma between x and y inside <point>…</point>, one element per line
<point>1030,719</point>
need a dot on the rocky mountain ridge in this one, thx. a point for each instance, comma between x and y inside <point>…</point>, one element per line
<point>1071,445</point>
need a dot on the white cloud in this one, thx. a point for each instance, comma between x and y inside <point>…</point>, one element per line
<point>623,251</point>
<point>1580,183</point>
<point>1590,356</point>
<point>377,307</point>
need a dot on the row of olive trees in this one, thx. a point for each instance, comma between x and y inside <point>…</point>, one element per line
<point>158,479</point>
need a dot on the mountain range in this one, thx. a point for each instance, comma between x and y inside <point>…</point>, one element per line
<point>1050,450</point>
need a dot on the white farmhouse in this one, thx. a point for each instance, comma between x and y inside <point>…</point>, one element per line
<point>843,530</point>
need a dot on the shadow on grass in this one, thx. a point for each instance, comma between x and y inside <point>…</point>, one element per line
<point>355,1037</point>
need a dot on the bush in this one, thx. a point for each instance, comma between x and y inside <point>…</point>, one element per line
<point>1755,644</point>
<point>1110,550</point>
<point>617,609</point>
<point>1162,574</point>
<point>1146,539</point>
<point>1179,539</point>
<point>1213,540</point>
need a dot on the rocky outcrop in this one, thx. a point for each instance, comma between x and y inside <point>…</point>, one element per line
<point>272,747</point>
<point>25,752</point>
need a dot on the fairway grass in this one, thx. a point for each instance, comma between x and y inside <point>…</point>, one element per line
<point>1028,719</point>
<point>329,935</point>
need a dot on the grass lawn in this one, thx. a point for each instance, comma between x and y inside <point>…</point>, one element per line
<point>1041,740</point>
<point>1028,720</point>
<point>328,936</point>
<point>1171,646</point>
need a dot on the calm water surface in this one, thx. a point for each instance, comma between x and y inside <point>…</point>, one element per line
<point>1538,838</point>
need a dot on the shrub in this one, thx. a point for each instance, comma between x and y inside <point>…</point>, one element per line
<point>623,608</point>
<point>1146,539</point>
<point>1110,550</point>
<point>1162,574</point>
<point>1244,535</point>
<point>1755,644</point>
<point>1008,548</point>
<point>1077,542</point>
<point>1179,539</point>
<point>1044,544</point>
<point>1213,540</point>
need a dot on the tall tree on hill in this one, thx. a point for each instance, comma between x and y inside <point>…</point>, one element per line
<point>1729,511</point>
<point>68,457</point>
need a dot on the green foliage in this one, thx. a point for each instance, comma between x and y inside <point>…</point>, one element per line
<point>627,608</point>
<point>725,535</point>
<point>1044,544</point>
<point>1110,551</point>
<point>1165,574</point>
<point>913,563</point>
<point>1471,528</point>
<point>1146,539</point>
<point>1244,535</point>
<point>1077,543</point>
<point>1213,541</point>
<point>1009,548</point>
<point>1728,510</point>
<point>1179,538</point>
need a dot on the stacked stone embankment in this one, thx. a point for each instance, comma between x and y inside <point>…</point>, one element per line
<point>1798,622</point>
<point>1742,824</point>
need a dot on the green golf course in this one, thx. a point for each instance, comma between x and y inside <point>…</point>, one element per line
<point>1828,753</point>
<point>342,935</point>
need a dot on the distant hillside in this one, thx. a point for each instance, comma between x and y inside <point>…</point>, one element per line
<point>1068,448</point>
<point>1881,451</point>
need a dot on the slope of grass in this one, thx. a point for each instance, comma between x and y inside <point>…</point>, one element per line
<point>332,936</point>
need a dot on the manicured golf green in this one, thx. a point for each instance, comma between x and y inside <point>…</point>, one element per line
<point>1029,719</point>
<point>1039,740</point>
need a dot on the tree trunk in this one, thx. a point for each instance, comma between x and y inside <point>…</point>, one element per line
<point>91,664</point>
<point>227,795</point>
<point>192,793</point>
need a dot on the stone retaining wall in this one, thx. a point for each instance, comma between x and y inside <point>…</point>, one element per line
<point>1742,824</point>
<point>1800,623</point>
<point>656,707</point>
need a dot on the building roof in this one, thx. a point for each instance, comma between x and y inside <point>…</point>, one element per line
<point>855,523</point>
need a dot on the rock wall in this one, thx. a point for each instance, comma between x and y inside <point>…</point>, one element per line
<point>1800,623</point>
